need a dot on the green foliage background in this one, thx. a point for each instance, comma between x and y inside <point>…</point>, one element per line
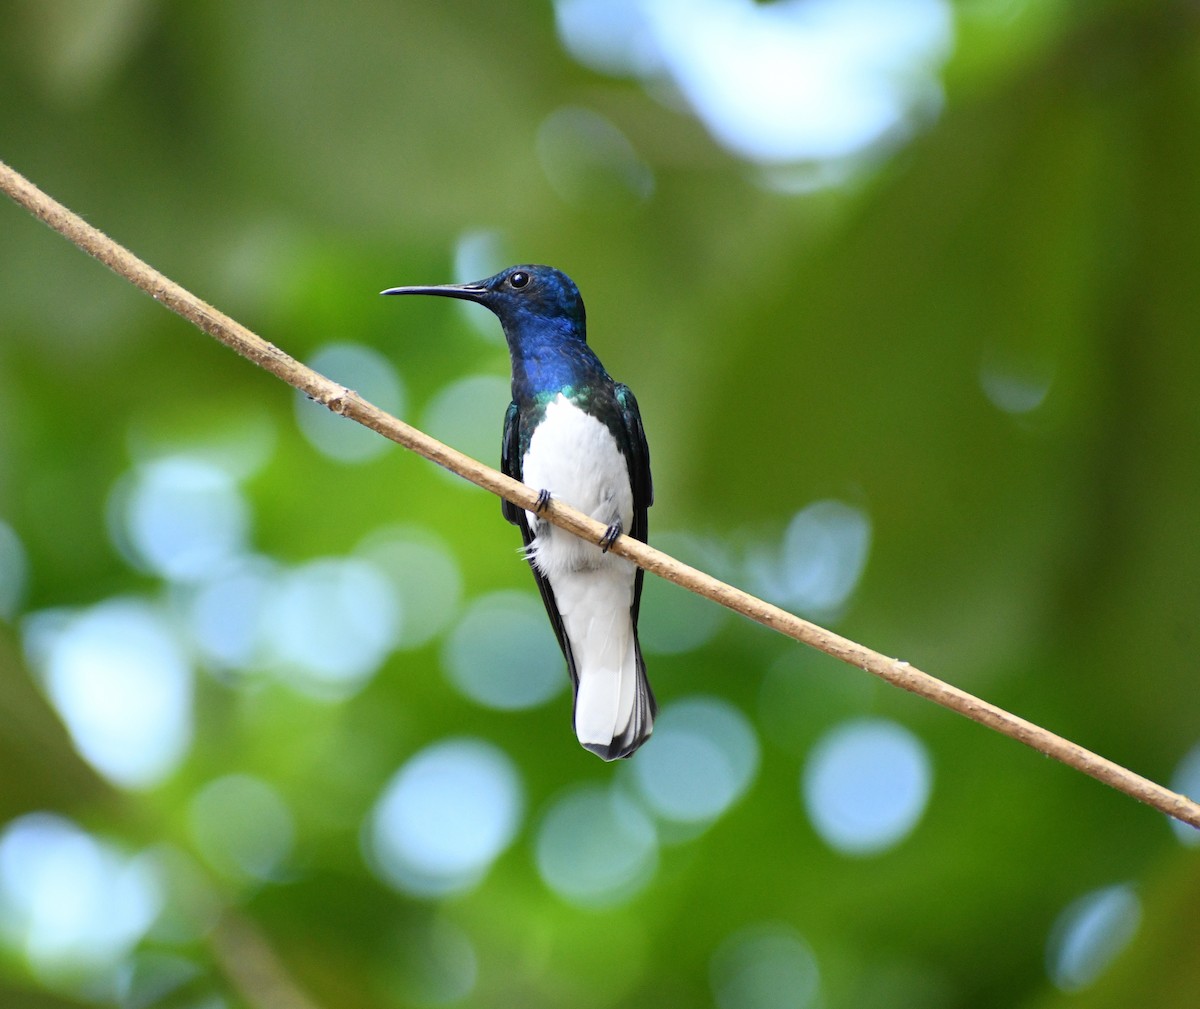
<point>286,161</point>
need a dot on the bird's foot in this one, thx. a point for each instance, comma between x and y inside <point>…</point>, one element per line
<point>542,502</point>
<point>611,535</point>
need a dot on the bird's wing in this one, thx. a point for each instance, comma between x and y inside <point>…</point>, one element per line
<point>637,458</point>
<point>510,465</point>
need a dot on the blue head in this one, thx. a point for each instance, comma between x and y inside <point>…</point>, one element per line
<point>535,304</point>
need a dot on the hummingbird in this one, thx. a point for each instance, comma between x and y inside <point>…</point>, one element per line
<point>576,435</point>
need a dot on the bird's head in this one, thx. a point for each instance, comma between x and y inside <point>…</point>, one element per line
<point>526,299</point>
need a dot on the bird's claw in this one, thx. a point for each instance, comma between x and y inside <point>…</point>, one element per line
<point>611,535</point>
<point>542,502</point>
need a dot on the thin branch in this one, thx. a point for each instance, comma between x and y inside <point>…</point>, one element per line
<point>349,404</point>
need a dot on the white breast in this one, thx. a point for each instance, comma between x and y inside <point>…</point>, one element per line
<point>576,458</point>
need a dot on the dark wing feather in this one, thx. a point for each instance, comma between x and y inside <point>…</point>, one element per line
<point>637,458</point>
<point>510,465</point>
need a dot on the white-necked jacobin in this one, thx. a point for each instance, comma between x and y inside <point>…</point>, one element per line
<point>575,434</point>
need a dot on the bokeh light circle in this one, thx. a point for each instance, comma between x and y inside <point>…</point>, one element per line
<point>767,966</point>
<point>226,613</point>
<point>122,683</point>
<point>820,562</point>
<point>589,161</point>
<point>242,827</point>
<point>14,571</point>
<point>702,757</point>
<point>1090,933</point>
<point>595,847</point>
<point>180,517</point>
<point>444,817</point>
<point>1186,781</point>
<point>503,655</point>
<point>865,785</point>
<point>70,902</point>
<point>425,576</point>
<point>365,371</point>
<point>780,82</point>
<point>468,413</point>
<point>331,623</point>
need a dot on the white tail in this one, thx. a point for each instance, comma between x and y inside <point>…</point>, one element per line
<point>614,707</point>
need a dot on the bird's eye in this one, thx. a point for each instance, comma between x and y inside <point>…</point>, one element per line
<point>519,279</point>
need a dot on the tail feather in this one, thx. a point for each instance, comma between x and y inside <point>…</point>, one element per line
<point>615,709</point>
<point>614,706</point>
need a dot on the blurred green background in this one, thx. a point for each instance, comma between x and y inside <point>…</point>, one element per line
<point>907,294</point>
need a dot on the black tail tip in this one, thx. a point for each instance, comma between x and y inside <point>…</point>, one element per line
<point>619,749</point>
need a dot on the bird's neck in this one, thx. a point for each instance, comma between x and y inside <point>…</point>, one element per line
<point>547,360</point>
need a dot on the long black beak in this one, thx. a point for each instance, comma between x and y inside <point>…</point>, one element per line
<point>467,292</point>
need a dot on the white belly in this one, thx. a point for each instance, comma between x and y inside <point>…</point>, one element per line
<point>576,458</point>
